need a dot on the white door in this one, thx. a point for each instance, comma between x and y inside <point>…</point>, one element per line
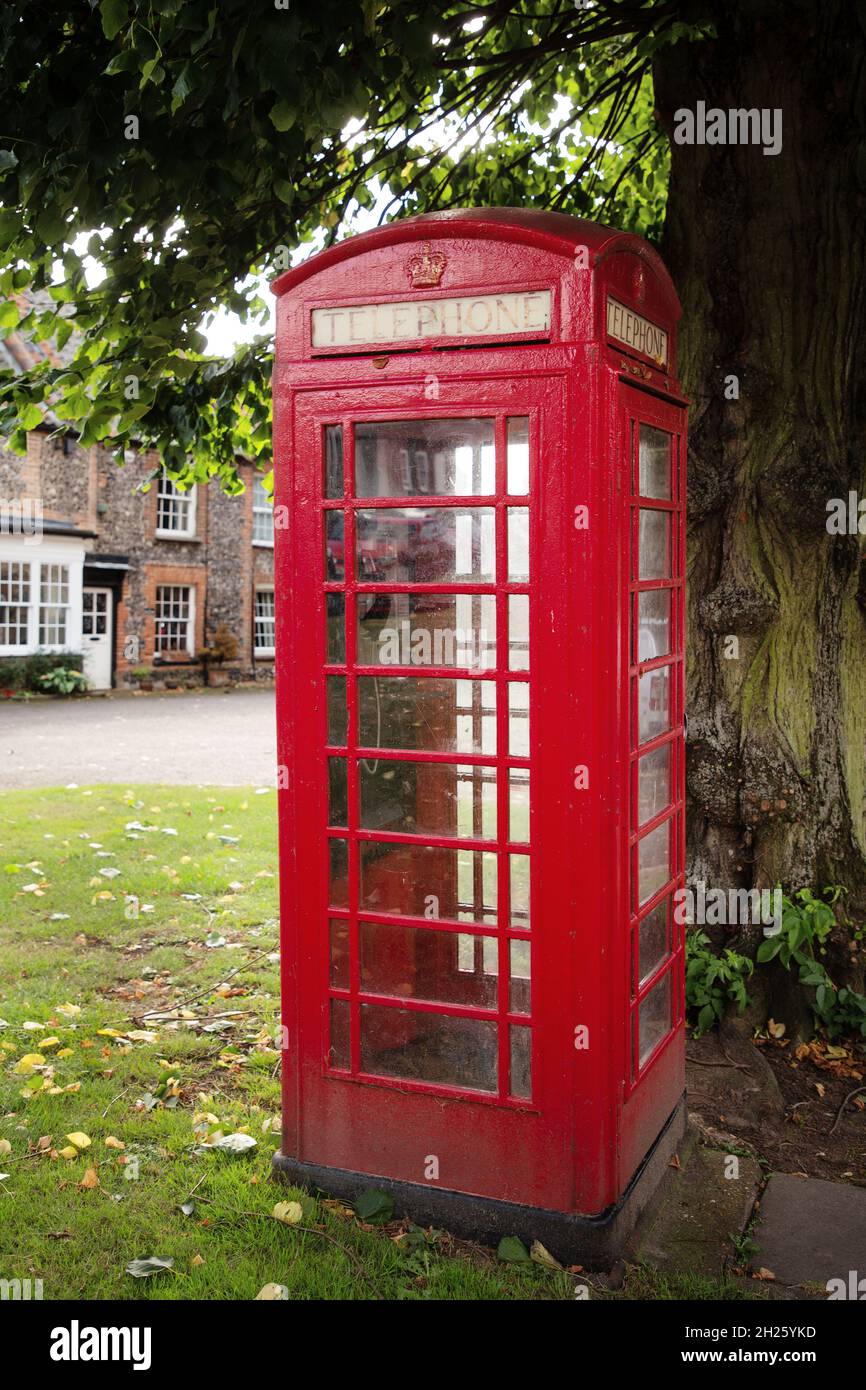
<point>96,626</point>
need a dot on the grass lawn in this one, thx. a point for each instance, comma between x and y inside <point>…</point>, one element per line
<point>139,993</point>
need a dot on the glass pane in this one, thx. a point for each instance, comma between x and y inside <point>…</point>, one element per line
<point>338,793</point>
<point>518,804</point>
<point>654,704</point>
<point>655,1018</point>
<point>339,937</point>
<point>429,1047</point>
<point>427,630</point>
<point>653,940</point>
<point>338,1055</point>
<point>521,977</point>
<point>518,719</point>
<point>518,455</point>
<point>428,798</point>
<point>654,623</point>
<point>426,881</point>
<point>519,878</point>
<point>335,629</point>
<point>654,544</point>
<point>518,632</point>
<point>338,872</point>
<point>425,458</point>
<point>335,549</point>
<point>518,544</point>
<point>654,861</point>
<point>416,964</point>
<point>426,545</point>
<point>337,717</point>
<point>521,1061</point>
<point>427,713</point>
<point>655,462</point>
<point>653,783</point>
<point>333,460</point>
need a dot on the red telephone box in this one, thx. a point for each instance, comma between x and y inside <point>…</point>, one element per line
<point>480,461</point>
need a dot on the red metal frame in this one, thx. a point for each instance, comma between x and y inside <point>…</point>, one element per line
<point>573,1144</point>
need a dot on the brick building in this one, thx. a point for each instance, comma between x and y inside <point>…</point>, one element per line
<point>137,581</point>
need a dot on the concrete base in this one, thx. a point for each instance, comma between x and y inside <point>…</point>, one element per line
<point>593,1241</point>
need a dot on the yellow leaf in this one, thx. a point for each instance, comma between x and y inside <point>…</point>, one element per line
<point>5,1147</point>
<point>196,1261</point>
<point>68,1010</point>
<point>112,1143</point>
<point>108,1033</point>
<point>25,1066</point>
<point>68,1152</point>
<point>81,1141</point>
<point>65,1052</point>
<point>776,1030</point>
<point>289,1212</point>
<point>272,1293</point>
<point>48,1042</point>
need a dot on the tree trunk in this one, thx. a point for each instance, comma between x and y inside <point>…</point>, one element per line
<point>769,256</point>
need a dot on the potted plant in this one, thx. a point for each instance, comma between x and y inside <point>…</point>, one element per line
<point>224,647</point>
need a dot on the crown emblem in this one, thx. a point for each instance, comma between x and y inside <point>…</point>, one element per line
<point>426,267</point>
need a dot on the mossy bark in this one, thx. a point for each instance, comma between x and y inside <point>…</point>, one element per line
<point>769,256</point>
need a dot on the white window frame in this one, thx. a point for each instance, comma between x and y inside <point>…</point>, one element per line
<point>168,491</point>
<point>19,582</point>
<point>257,650</point>
<point>262,506</point>
<point>163,653</point>
<point>56,551</point>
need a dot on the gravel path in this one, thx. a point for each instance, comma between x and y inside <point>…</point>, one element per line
<point>211,736</point>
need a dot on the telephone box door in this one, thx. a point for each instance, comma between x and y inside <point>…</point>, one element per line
<point>426,625</point>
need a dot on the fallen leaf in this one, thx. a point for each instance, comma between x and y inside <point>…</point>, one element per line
<point>541,1256</point>
<point>112,1143</point>
<point>233,1143</point>
<point>69,1152</point>
<point>90,1179</point>
<point>765,1274</point>
<point>512,1250</point>
<point>81,1141</point>
<point>289,1212</point>
<point>148,1265</point>
<point>5,1148</point>
<point>196,1261</point>
<point>26,1064</point>
<point>272,1293</point>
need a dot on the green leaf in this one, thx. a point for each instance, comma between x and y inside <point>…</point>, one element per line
<point>114,13</point>
<point>282,115</point>
<point>30,417</point>
<point>8,160</point>
<point>512,1250</point>
<point>374,1206</point>
<point>9,315</point>
<point>769,949</point>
